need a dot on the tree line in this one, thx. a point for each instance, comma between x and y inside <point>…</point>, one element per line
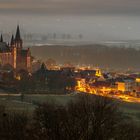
<point>96,55</point>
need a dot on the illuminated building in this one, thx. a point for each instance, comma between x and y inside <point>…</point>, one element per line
<point>137,86</point>
<point>121,86</point>
<point>81,85</point>
<point>137,80</point>
<point>125,86</point>
<point>13,54</point>
<point>98,73</point>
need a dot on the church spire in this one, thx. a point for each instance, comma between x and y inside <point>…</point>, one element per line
<point>12,40</point>
<point>18,40</point>
<point>17,37</point>
<point>1,38</point>
<point>43,67</point>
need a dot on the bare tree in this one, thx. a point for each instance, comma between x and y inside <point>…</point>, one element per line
<point>88,117</point>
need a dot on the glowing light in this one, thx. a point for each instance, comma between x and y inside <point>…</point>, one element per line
<point>138,80</point>
<point>18,78</point>
<point>121,86</point>
<point>82,86</point>
<point>98,73</point>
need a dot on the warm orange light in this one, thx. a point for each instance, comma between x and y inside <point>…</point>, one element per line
<point>138,80</point>
<point>121,86</point>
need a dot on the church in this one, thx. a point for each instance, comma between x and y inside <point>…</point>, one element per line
<point>13,53</point>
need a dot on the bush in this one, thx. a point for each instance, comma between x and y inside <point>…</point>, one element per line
<point>12,125</point>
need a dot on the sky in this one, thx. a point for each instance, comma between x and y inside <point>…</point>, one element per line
<point>84,7</point>
<point>97,19</point>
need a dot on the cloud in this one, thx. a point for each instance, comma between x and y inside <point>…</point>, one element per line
<point>70,6</point>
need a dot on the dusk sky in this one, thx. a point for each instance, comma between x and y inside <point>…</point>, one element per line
<point>97,19</point>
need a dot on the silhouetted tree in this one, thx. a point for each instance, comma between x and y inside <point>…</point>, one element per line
<point>85,119</point>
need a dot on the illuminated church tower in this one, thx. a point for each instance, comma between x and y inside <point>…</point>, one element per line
<point>13,54</point>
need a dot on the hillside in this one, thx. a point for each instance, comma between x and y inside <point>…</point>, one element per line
<point>98,55</point>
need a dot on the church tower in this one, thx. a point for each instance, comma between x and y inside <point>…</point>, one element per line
<point>14,52</point>
<point>18,41</point>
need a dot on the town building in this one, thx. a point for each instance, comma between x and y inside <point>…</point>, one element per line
<point>126,85</point>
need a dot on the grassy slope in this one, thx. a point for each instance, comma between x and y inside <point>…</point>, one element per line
<point>131,110</point>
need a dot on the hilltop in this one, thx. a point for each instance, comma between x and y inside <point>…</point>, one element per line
<point>97,55</point>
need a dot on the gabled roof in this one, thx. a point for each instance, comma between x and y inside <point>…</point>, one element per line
<point>102,84</point>
<point>4,47</point>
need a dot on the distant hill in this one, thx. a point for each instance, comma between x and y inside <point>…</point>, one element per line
<point>98,55</point>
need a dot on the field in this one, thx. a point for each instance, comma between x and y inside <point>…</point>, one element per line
<point>29,102</point>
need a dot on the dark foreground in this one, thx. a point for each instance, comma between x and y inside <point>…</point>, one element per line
<point>86,117</point>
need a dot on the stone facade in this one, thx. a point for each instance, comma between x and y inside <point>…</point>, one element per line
<point>13,54</point>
